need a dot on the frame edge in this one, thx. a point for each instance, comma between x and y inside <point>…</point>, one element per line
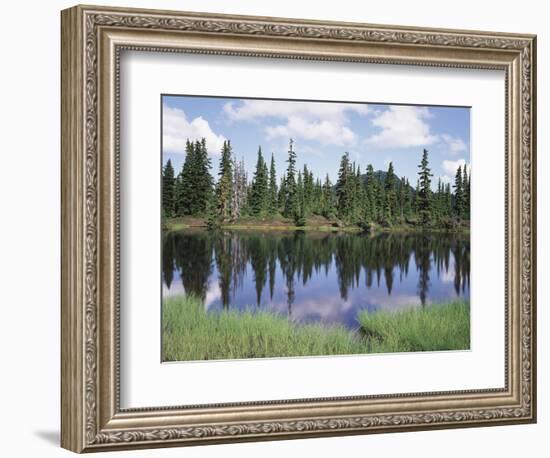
<point>72,273</point>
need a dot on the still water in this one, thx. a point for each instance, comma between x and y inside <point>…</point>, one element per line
<point>315,277</point>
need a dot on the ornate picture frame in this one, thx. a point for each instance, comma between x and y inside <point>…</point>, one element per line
<point>92,41</point>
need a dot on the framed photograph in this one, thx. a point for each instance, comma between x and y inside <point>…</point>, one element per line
<point>278,228</point>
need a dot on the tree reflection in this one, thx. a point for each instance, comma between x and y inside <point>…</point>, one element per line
<point>298,257</point>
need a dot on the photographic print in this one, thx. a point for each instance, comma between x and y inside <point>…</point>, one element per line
<point>313,228</point>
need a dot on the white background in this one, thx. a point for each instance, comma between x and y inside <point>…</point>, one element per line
<point>29,246</point>
<point>146,383</point>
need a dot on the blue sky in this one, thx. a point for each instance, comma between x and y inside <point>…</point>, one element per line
<point>322,131</point>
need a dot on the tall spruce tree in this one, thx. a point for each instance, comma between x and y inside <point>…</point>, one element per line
<point>360,197</point>
<point>194,183</point>
<point>281,198</point>
<point>300,210</point>
<point>439,202</point>
<point>466,194</point>
<point>328,199</point>
<point>168,189</point>
<point>390,193</point>
<point>425,192</point>
<point>259,197</point>
<point>371,207</point>
<point>448,200</point>
<point>224,187</point>
<point>203,181</point>
<point>343,188</point>
<point>308,191</point>
<point>273,198</point>
<point>459,196</point>
<point>290,183</point>
<point>409,200</point>
<point>184,192</point>
<point>402,197</point>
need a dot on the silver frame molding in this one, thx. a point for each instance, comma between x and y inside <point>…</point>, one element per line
<point>92,40</point>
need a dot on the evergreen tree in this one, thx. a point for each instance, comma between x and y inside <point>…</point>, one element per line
<point>203,181</point>
<point>417,198</point>
<point>360,197</point>
<point>224,188</point>
<point>466,194</point>
<point>178,195</point>
<point>390,194</point>
<point>424,201</point>
<point>371,205</point>
<point>259,198</point>
<point>273,198</point>
<point>439,202</point>
<point>448,200</point>
<point>402,197</point>
<point>184,192</point>
<point>290,183</point>
<point>459,197</point>
<point>343,194</point>
<point>318,197</point>
<point>409,200</point>
<point>299,209</point>
<point>308,191</point>
<point>168,189</point>
<point>328,199</point>
<point>194,183</point>
<point>212,220</point>
<point>282,194</point>
<point>239,195</point>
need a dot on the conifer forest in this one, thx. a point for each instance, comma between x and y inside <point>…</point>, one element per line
<point>360,197</point>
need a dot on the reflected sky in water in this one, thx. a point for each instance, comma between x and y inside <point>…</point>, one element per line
<point>315,277</point>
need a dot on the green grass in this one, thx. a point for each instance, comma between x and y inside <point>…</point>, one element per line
<point>189,333</point>
<point>436,327</point>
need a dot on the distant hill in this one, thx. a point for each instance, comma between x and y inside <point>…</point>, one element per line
<point>380,175</point>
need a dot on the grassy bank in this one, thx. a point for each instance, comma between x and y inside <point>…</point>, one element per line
<point>315,223</point>
<point>189,333</point>
<point>436,327</point>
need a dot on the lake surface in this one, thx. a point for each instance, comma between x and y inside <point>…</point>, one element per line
<point>315,277</point>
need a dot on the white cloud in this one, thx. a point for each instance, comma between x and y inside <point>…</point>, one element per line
<point>450,167</point>
<point>326,123</point>
<point>402,127</point>
<point>176,129</point>
<point>250,110</point>
<point>454,144</point>
<point>325,132</point>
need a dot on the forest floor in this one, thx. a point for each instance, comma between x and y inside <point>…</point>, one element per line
<point>313,223</point>
<point>190,333</point>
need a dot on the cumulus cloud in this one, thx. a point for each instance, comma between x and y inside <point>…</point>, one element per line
<point>176,129</point>
<point>402,127</point>
<point>325,131</point>
<point>450,167</point>
<point>319,121</point>
<point>454,145</point>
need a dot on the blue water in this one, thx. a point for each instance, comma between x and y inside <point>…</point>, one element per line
<point>315,277</point>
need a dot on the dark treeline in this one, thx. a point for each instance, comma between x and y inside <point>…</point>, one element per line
<point>356,198</point>
<point>298,256</point>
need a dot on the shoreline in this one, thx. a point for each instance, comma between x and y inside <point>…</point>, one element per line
<point>397,229</point>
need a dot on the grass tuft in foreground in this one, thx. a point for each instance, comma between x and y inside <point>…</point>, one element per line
<point>436,327</point>
<point>189,333</point>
